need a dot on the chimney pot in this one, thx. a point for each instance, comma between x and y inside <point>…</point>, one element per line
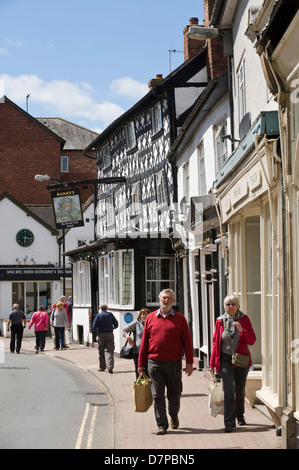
<point>193,21</point>
<point>155,81</point>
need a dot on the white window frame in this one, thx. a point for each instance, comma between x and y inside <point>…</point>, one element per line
<point>241,90</point>
<point>81,282</point>
<point>116,279</point>
<point>155,283</point>
<point>136,198</point>
<point>105,156</point>
<point>161,185</point>
<point>220,145</point>
<point>131,135</point>
<point>157,118</point>
<point>202,182</point>
<point>64,164</point>
<point>186,181</point>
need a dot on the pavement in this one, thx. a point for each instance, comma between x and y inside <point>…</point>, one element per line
<point>132,430</point>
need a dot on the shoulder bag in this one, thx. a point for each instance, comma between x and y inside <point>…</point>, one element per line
<point>238,360</point>
<point>126,352</point>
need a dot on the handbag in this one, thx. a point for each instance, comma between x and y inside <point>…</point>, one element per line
<point>238,360</point>
<point>126,352</point>
<point>216,397</point>
<point>142,394</point>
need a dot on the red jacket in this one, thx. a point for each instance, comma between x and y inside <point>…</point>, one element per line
<point>247,337</point>
<point>165,339</point>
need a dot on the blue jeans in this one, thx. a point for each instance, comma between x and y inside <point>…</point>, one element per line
<point>234,382</point>
<point>59,336</point>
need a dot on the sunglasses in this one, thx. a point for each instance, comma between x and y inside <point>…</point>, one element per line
<point>230,305</point>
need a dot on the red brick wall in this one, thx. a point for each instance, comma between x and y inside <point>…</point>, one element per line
<point>26,149</point>
<point>217,64</point>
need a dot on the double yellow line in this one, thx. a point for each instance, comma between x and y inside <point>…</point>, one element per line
<point>84,426</point>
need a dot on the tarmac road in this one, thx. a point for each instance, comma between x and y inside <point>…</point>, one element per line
<point>47,403</point>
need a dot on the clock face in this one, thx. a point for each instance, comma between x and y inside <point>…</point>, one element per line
<point>25,237</point>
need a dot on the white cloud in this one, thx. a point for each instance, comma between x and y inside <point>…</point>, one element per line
<point>4,51</point>
<point>128,87</point>
<point>60,97</point>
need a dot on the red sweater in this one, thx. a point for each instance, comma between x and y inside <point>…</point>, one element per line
<point>246,337</point>
<point>165,339</point>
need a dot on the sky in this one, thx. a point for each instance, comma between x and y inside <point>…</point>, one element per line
<point>88,61</point>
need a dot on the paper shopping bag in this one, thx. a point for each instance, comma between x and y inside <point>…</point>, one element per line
<point>142,395</point>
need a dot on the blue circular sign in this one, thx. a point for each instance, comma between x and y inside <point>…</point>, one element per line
<point>128,317</point>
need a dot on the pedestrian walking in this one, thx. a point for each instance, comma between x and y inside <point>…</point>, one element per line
<point>136,327</point>
<point>66,308</point>
<point>16,323</point>
<point>105,323</point>
<point>59,320</point>
<point>40,320</point>
<point>166,338</point>
<point>233,333</point>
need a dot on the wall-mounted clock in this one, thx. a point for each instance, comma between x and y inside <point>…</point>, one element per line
<point>25,237</point>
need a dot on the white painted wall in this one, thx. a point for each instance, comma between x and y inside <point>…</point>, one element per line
<point>43,250</point>
<point>257,95</point>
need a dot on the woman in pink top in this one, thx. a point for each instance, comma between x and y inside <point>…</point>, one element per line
<point>40,320</point>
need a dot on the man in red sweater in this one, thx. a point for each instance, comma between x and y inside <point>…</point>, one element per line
<point>166,338</point>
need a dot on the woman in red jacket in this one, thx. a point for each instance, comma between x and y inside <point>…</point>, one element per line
<point>241,334</point>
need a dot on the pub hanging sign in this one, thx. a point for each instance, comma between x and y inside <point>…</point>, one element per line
<point>67,208</point>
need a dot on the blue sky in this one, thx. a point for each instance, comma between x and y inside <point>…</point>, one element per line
<point>88,61</point>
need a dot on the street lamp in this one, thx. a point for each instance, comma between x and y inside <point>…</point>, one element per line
<point>48,178</point>
<point>201,33</point>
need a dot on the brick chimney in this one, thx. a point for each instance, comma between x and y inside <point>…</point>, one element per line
<point>191,46</point>
<point>155,81</point>
<point>217,64</point>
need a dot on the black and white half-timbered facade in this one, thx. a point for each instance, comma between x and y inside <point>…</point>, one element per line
<point>135,254</point>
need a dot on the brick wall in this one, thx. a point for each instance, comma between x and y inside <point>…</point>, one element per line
<point>216,63</point>
<point>27,149</point>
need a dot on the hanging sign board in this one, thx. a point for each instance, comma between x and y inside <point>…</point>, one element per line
<point>67,208</point>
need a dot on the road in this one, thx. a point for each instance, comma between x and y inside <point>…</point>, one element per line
<point>47,403</point>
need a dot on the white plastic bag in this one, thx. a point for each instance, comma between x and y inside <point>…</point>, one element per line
<point>216,397</point>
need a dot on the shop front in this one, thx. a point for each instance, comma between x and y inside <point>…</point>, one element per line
<point>251,204</point>
<point>29,287</point>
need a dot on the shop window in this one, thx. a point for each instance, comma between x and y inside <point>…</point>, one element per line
<point>116,279</point>
<point>81,282</point>
<point>160,274</point>
<point>253,281</point>
<point>30,295</point>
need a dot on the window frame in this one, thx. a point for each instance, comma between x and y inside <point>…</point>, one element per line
<point>220,145</point>
<point>131,136</point>
<point>162,195</point>
<point>202,180</point>
<point>157,119</point>
<point>241,82</point>
<point>116,279</point>
<point>161,283</point>
<point>64,164</point>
